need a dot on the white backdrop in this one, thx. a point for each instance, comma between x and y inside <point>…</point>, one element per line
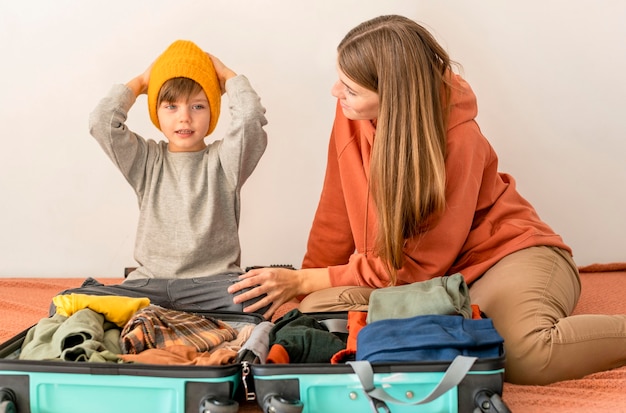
<point>549,76</point>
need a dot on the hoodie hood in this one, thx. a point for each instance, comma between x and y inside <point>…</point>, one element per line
<point>463,105</point>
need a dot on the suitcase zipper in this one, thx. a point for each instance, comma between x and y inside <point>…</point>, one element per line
<point>245,372</point>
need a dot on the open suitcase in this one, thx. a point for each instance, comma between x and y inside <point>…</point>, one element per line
<point>470,386</point>
<point>28,386</point>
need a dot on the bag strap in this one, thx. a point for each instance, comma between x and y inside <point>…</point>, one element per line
<point>457,370</point>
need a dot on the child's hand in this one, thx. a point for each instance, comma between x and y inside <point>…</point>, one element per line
<point>139,84</point>
<point>145,78</point>
<point>223,72</point>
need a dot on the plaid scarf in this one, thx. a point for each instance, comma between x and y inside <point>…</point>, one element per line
<point>157,327</point>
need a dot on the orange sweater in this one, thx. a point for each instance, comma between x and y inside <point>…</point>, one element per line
<point>485,217</point>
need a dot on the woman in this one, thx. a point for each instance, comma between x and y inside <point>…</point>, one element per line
<point>412,191</point>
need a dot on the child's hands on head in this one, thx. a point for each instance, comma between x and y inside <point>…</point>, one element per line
<point>139,84</point>
<point>223,72</point>
<point>145,78</point>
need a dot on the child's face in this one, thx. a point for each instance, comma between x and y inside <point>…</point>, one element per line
<point>185,123</point>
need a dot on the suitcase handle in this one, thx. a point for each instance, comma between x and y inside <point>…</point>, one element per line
<point>456,371</point>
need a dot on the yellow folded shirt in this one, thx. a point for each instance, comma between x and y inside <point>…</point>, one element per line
<point>114,308</point>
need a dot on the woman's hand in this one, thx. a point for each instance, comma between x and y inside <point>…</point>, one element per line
<point>223,72</point>
<point>279,286</point>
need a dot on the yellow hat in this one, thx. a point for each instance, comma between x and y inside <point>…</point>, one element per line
<point>185,59</point>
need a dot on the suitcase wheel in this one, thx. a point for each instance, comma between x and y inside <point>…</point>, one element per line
<point>212,404</point>
<point>274,403</point>
<point>7,400</point>
<point>489,402</point>
<point>7,406</point>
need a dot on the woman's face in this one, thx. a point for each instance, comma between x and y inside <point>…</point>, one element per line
<point>357,102</point>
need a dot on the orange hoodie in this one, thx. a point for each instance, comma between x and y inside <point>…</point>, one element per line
<point>485,217</point>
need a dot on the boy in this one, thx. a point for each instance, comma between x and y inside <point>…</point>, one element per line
<point>187,243</point>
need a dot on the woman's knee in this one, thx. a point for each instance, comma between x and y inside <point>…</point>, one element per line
<point>526,357</point>
<point>350,298</point>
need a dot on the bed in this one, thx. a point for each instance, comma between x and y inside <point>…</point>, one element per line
<point>24,301</point>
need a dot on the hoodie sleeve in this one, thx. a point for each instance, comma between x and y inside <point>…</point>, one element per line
<point>330,239</point>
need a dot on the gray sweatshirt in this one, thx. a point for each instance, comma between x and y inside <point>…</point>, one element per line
<point>189,202</point>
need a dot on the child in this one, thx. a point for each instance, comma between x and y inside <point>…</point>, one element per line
<point>188,192</point>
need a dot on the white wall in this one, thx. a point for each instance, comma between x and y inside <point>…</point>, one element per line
<point>549,75</point>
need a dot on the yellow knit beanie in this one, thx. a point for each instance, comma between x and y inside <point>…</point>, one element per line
<point>185,59</point>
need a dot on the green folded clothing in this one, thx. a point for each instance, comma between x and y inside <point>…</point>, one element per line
<point>448,295</point>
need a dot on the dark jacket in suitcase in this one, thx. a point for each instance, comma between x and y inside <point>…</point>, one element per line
<point>30,386</point>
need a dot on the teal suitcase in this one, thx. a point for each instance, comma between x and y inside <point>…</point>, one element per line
<point>466,385</point>
<point>73,387</point>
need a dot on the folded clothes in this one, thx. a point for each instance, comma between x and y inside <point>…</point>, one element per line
<point>114,308</point>
<point>182,355</point>
<point>158,327</point>
<point>447,295</point>
<point>428,338</point>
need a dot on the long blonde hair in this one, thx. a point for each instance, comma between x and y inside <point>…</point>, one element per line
<point>402,62</point>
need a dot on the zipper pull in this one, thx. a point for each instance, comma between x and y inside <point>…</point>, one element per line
<point>245,372</point>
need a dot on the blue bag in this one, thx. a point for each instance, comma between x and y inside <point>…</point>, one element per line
<point>428,338</point>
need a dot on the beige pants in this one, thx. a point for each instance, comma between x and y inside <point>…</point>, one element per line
<point>529,295</point>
